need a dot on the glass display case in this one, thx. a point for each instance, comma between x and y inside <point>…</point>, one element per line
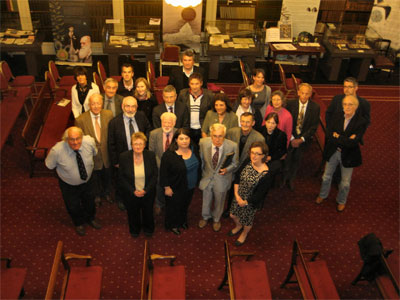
<point>345,40</point>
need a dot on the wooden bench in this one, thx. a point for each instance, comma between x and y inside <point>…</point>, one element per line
<point>312,276</point>
<point>12,280</point>
<point>161,282</point>
<point>246,279</point>
<point>45,126</point>
<point>79,282</point>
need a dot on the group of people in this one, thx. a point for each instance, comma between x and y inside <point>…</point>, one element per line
<point>155,155</point>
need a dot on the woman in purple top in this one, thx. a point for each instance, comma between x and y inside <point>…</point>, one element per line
<point>277,105</point>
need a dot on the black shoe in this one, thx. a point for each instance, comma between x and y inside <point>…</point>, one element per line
<point>80,230</point>
<point>95,224</point>
<point>226,214</point>
<point>185,226</point>
<point>230,233</point>
<point>176,231</point>
<point>121,206</point>
<point>237,243</point>
<point>134,235</point>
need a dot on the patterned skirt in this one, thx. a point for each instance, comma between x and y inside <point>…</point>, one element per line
<point>245,214</point>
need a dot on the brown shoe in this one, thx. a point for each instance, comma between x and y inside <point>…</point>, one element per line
<point>203,223</point>
<point>340,207</point>
<point>319,200</point>
<point>80,230</point>
<point>217,226</point>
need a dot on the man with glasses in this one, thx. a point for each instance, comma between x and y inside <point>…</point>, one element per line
<point>120,130</point>
<point>73,160</point>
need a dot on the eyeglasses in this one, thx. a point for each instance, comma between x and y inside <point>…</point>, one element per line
<point>256,153</point>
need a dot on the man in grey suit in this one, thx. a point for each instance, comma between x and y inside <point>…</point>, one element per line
<point>244,136</point>
<point>112,101</point>
<point>216,180</point>
<point>95,124</point>
<point>159,141</point>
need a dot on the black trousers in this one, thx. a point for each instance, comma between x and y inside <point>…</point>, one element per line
<point>79,201</point>
<point>102,182</point>
<point>195,135</point>
<point>140,213</point>
<point>176,208</point>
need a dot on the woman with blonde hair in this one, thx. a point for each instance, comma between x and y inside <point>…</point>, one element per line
<point>145,99</point>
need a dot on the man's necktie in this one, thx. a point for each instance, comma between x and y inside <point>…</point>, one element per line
<point>81,166</point>
<point>167,142</point>
<point>131,130</point>
<point>171,109</point>
<point>108,106</point>
<point>300,120</point>
<point>215,157</point>
<point>97,125</point>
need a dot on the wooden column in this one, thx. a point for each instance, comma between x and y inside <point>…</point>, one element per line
<point>25,15</point>
<point>119,14</point>
<point>211,10</point>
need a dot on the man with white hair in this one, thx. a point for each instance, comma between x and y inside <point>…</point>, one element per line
<point>159,141</point>
<point>73,160</point>
<point>85,52</point>
<point>216,177</point>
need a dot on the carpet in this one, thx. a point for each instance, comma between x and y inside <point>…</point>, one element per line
<point>33,219</point>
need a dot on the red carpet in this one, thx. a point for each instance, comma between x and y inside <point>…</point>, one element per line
<point>33,219</point>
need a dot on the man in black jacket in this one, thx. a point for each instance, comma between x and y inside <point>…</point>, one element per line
<point>305,115</point>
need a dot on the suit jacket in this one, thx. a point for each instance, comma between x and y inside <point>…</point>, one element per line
<point>230,121</point>
<point>76,105</point>
<point>310,122</point>
<point>117,142</point>
<point>220,183</point>
<point>180,110</point>
<point>205,105</point>
<point>350,148</point>
<point>277,143</point>
<point>84,121</point>
<point>126,173</point>
<point>180,81</point>
<point>233,134</point>
<point>117,101</point>
<point>156,143</point>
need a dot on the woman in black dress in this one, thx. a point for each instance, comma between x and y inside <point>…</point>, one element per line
<point>252,181</point>
<point>179,174</point>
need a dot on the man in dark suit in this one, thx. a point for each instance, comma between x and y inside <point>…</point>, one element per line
<point>179,77</point>
<point>126,87</point>
<point>342,149</point>
<point>95,124</point>
<point>159,141</point>
<point>171,105</point>
<point>305,115</point>
<point>198,101</point>
<point>112,101</point>
<point>120,130</point>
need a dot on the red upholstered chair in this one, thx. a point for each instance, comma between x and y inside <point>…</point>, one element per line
<point>161,281</point>
<point>382,59</point>
<point>103,75</point>
<point>79,282</point>
<point>17,81</point>
<point>312,276</point>
<point>289,85</point>
<point>97,80</point>
<point>155,82</point>
<point>170,56</point>
<point>67,81</point>
<point>247,279</point>
<point>58,92</point>
<point>246,80</point>
<point>11,280</point>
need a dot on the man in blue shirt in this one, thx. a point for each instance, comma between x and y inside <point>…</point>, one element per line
<point>73,160</point>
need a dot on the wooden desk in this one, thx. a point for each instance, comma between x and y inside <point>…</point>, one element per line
<point>359,62</point>
<point>31,53</point>
<point>247,55</point>
<point>300,50</point>
<point>114,52</point>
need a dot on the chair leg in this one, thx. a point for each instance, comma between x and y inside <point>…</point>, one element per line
<point>223,283</point>
<point>289,275</point>
<point>358,278</point>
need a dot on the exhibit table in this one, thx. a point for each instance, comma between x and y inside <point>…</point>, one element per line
<point>296,49</point>
<point>360,60</point>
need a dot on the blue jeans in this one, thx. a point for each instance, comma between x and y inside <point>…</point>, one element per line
<point>344,186</point>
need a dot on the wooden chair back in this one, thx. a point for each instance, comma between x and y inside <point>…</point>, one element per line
<point>97,81</point>
<point>150,74</point>
<point>170,55</point>
<point>102,72</point>
<point>6,71</point>
<point>54,71</point>
<point>246,80</point>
